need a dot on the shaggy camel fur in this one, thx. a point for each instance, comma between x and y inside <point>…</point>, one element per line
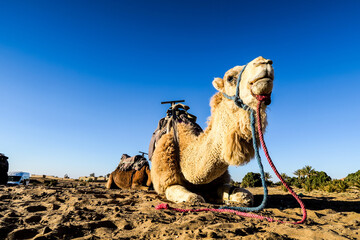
<point>131,179</point>
<point>199,171</point>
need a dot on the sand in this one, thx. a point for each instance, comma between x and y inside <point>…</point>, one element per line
<point>71,211</point>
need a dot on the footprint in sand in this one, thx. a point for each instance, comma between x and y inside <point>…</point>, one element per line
<point>55,206</point>
<point>33,219</point>
<point>37,208</point>
<point>11,217</point>
<point>23,233</point>
<point>100,224</point>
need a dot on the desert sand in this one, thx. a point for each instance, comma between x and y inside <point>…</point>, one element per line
<point>71,210</point>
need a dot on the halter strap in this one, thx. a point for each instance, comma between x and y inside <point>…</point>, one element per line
<point>236,98</point>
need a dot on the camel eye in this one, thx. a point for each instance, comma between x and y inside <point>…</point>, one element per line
<point>230,78</point>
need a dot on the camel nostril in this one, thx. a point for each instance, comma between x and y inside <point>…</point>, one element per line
<point>268,61</point>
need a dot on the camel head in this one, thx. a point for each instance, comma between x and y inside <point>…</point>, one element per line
<point>256,79</point>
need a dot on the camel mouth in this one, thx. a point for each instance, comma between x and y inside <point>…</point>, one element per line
<point>267,78</point>
<point>262,86</point>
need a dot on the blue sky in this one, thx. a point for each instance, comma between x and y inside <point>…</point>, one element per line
<point>81,81</point>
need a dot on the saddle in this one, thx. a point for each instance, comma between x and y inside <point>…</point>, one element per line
<point>128,163</point>
<point>177,113</point>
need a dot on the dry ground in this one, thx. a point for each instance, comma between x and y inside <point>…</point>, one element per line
<point>71,211</point>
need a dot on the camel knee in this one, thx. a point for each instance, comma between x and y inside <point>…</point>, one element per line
<point>236,195</point>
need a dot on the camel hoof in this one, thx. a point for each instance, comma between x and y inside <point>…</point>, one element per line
<point>241,196</point>
<point>194,198</point>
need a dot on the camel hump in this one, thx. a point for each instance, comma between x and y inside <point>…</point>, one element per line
<point>128,163</point>
<point>177,113</point>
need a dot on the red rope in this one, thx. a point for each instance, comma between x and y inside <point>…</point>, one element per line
<point>243,214</point>
<point>261,98</point>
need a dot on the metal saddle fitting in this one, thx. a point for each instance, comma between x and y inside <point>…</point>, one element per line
<point>173,102</point>
<point>175,108</point>
<point>143,154</point>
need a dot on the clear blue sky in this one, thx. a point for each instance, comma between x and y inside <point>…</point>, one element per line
<point>81,81</point>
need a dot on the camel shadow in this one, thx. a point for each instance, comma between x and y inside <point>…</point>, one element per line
<point>311,203</point>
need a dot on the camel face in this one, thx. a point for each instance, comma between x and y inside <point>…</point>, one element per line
<point>257,79</point>
<point>259,76</point>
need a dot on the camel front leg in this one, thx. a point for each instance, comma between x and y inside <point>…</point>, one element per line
<point>178,194</point>
<point>110,181</point>
<point>241,196</point>
<point>148,182</point>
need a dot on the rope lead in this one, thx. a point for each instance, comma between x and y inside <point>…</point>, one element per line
<point>238,210</point>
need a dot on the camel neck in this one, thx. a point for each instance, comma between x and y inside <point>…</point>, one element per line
<point>226,141</point>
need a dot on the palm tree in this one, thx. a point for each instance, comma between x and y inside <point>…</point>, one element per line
<point>299,173</point>
<point>267,176</point>
<point>308,171</point>
<point>284,176</point>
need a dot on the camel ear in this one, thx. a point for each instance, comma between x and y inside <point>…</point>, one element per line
<point>218,84</point>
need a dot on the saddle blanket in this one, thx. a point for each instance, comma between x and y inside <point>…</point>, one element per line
<point>132,163</point>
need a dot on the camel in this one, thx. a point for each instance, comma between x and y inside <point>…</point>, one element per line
<point>197,169</point>
<point>130,179</point>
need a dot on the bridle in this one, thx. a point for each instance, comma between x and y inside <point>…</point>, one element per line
<point>236,98</point>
